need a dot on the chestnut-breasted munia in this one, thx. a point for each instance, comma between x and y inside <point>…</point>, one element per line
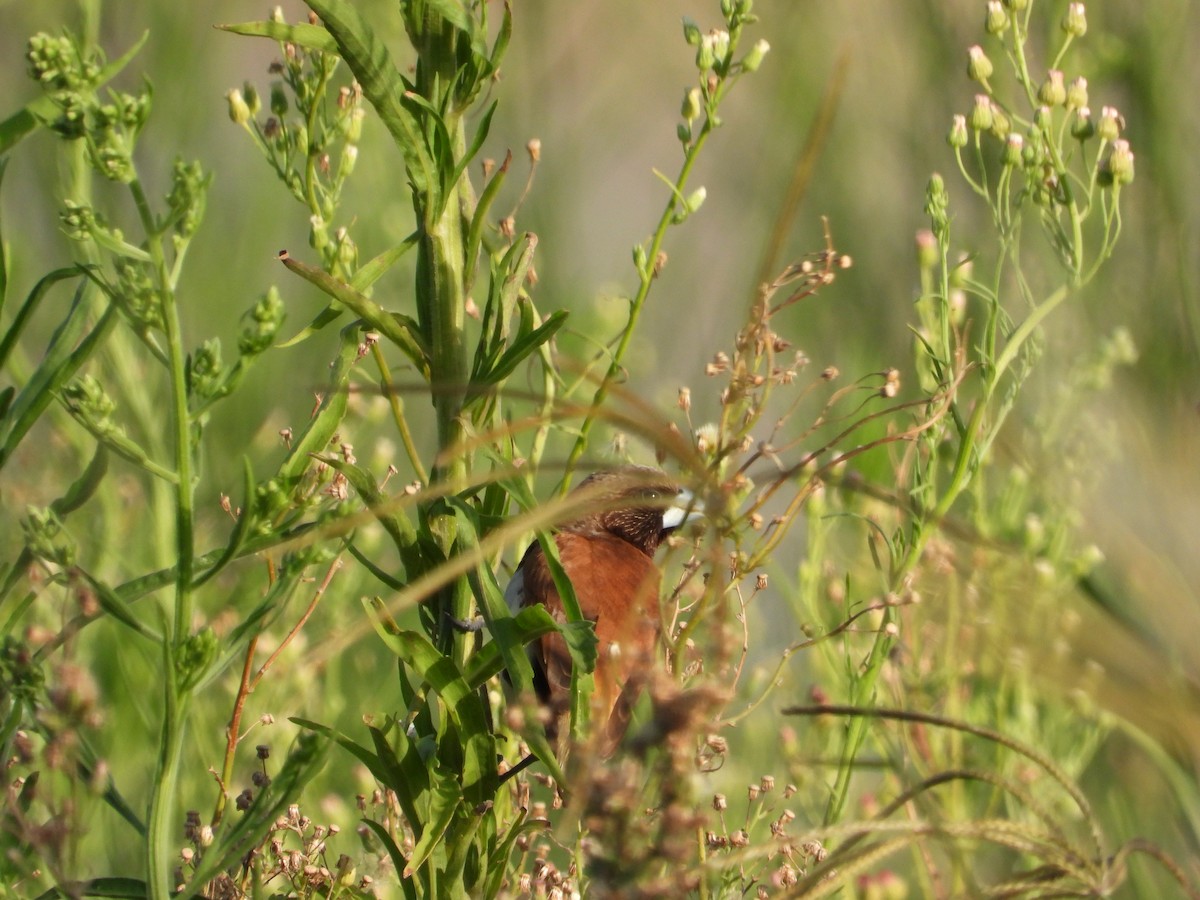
<point>608,554</point>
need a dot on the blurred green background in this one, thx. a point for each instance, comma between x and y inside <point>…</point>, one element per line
<point>600,85</point>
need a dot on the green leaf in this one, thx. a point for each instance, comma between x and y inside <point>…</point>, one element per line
<point>524,346</point>
<point>399,863</point>
<point>366,276</point>
<point>62,360</point>
<point>479,216</point>
<point>378,266</point>
<point>321,427</point>
<point>112,603</point>
<point>21,319</point>
<point>85,486</point>
<point>302,34</point>
<point>446,796</point>
<point>453,12</point>
<point>462,704</point>
<point>400,329</point>
<point>579,634</point>
<point>385,510</point>
<point>477,140</point>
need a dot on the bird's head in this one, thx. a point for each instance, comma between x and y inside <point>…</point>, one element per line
<point>638,504</point>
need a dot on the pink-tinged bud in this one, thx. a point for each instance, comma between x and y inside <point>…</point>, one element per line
<point>957,137</point>
<point>1012,150</point>
<point>981,114</point>
<point>1110,125</point>
<point>1074,22</point>
<point>927,249</point>
<point>1083,127</point>
<point>1120,162</point>
<point>1077,93</point>
<point>1053,91</point>
<point>1042,117</point>
<point>979,67</point>
<point>996,21</point>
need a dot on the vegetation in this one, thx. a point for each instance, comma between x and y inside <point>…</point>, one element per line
<point>244,508</point>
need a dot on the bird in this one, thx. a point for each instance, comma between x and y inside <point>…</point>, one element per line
<point>608,555</point>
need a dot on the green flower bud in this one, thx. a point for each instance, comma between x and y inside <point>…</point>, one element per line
<point>1053,91</point>
<point>754,58</point>
<point>979,67</point>
<point>639,257</point>
<point>1074,22</point>
<point>261,323</point>
<point>1031,156</point>
<point>1110,125</point>
<point>1120,162</point>
<point>1016,5</point>
<point>981,114</point>
<point>79,222</point>
<point>695,200</point>
<point>691,105</point>
<point>1042,117</point>
<point>239,109</point>
<point>996,21</point>
<point>1001,123</point>
<point>355,124</point>
<point>89,402</point>
<point>277,16</point>
<point>1077,93</point>
<point>721,43</point>
<point>349,158</point>
<point>683,131</point>
<point>250,93</point>
<point>137,289</point>
<point>1013,148</point>
<point>318,232</point>
<point>195,657</point>
<point>112,158</point>
<point>1083,127</point>
<point>279,101</point>
<point>691,32</point>
<point>205,369</point>
<point>957,137</point>
<point>188,196</point>
<point>347,250</point>
<point>46,536</point>
<point>937,204</point>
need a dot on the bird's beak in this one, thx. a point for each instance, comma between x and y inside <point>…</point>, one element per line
<point>685,509</point>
